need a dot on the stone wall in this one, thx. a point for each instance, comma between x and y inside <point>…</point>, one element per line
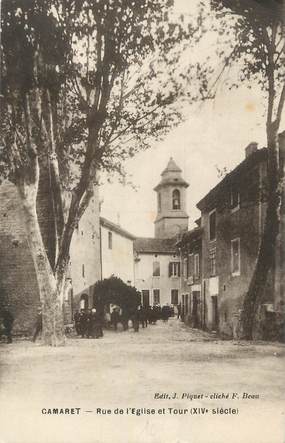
<point>246,224</point>
<point>18,281</point>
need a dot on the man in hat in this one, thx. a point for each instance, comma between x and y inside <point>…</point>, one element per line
<point>77,324</point>
<point>84,322</point>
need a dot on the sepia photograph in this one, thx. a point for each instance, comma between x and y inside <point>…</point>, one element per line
<point>142,221</point>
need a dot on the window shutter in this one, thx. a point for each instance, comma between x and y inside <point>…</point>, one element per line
<point>178,269</point>
<point>169,270</point>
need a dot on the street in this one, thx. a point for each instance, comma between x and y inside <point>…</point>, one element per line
<point>105,390</point>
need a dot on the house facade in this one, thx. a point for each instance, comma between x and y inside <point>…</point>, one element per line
<point>85,260</point>
<point>192,305</point>
<point>232,219</point>
<point>157,271</point>
<point>117,252</point>
<point>157,261</point>
<point>218,257</point>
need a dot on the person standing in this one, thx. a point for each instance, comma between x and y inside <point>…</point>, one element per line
<point>136,320</point>
<point>179,311</point>
<point>165,313</point>
<point>38,325</point>
<point>115,317</point>
<point>92,324</point>
<point>100,321</point>
<point>125,319</point>
<point>83,320</point>
<point>142,316</point>
<point>8,321</point>
<point>76,319</point>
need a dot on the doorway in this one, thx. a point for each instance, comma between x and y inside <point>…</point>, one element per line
<point>215,313</point>
<point>84,301</point>
<point>145,298</point>
<point>195,304</point>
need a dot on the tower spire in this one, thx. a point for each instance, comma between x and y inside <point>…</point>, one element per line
<point>172,217</point>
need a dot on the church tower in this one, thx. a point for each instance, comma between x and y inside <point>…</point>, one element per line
<point>171,216</point>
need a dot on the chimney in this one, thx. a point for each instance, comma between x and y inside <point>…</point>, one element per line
<point>250,149</point>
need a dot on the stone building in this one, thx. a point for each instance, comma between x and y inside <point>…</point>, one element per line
<point>85,259</point>
<point>157,262</point>
<point>224,247</point>
<point>190,247</point>
<point>99,249</point>
<point>232,219</point>
<point>18,282</point>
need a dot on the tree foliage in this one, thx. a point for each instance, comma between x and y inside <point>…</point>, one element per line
<point>253,36</point>
<point>85,84</point>
<point>114,290</point>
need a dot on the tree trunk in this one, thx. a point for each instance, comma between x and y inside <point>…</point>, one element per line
<point>50,287</point>
<point>46,211</point>
<point>265,263</point>
<point>279,286</point>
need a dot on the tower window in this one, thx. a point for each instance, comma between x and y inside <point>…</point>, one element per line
<point>176,204</point>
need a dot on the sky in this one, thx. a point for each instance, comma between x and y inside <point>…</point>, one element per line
<point>214,134</point>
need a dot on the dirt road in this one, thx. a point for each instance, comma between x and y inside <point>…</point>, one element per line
<point>201,390</point>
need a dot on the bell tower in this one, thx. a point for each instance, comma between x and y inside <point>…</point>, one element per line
<point>172,217</point>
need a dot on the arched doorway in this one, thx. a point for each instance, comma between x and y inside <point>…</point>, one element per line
<point>84,301</point>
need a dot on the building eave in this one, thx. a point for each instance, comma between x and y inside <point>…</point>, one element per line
<point>171,182</point>
<point>170,216</point>
<point>256,158</point>
<point>146,245</point>
<point>191,236</point>
<point>116,228</point>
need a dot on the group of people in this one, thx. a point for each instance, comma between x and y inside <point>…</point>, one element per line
<point>145,315</point>
<point>158,312</point>
<point>89,323</point>
<point>150,314</point>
